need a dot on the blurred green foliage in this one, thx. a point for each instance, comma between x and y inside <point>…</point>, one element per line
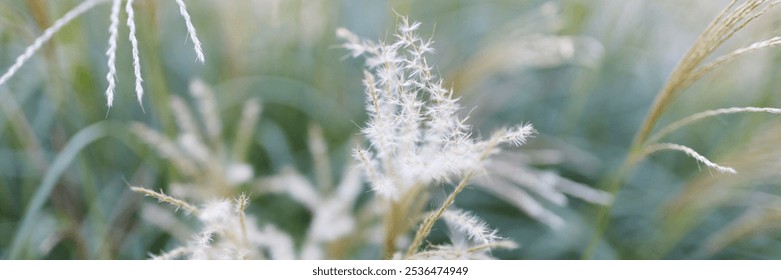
<point>587,106</point>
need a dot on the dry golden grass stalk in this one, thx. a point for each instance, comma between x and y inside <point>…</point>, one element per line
<point>737,15</point>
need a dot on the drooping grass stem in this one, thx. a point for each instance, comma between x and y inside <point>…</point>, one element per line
<point>690,69</point>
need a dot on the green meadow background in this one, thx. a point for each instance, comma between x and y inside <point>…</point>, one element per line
<point>583,72</point>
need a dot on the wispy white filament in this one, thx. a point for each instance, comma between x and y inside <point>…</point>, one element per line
<point>191,30</point>
<point>710,113</point>
<point>113,30</point>
<point>134,43</point>
<point>690,152</point>
<point>772,42</point>
<point>470,225</point>
<point>47,35</point>
<point>171,255</point>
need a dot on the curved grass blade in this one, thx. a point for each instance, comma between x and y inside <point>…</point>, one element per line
<point>63,160</point>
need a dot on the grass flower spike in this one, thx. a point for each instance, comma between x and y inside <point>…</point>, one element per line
<point>415,134</point>
<point>213,167</point>
<point>111,52</point>
<point>47,35</point>
<point>113,30</point>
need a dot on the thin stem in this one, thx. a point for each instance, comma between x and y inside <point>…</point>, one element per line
<point>241,205</point>
<point>47,35</point>
<point>730,20</point>
<point>398,219</point>
<point>391,230</point>
<point>428,223</point>
<point>706,114</point>
<point>612,185</point>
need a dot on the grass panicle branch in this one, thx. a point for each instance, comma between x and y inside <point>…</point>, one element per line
<point>518,135</point>
<point>734,17</point>
<point>453,252</point>
<point>111,52</point>
<point>191,31</point>
<point>47,35</point>
<point>207,105</point>
<point>472,226</point>
<point>166,148</point>
<point>707,114</point>
<point>113,31</point>
<point>250,115</point>
<point>162,197</point>
<point>718,62</point>
<point>134,47</point>
<point>653,148</point>
<point>242,202</point>
<point>172,255</point>
<point>415,133</point>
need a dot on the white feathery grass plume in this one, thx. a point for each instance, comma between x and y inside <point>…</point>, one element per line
<point>510,181</point>
<point>296,185</point>
<point>155,214</point>
<point>167,148</point>
<point>47,35</point>
<point>583,192</point>
<point>216,211</point>
<point>331,207</point>
<point>522,200</point>
<point>250,115</point>
<point>113,31</point>
<point>349,187</point>
<point>241,204</point>
<point>195,149</point>
<point>544,186</point>
<point>415,134</point>
<point>280,245</point>
<point>184,117</point>
<point>333,217</point>
<point>455,252</point>
<point>208,108</point>
<point>518,135</point>
<point>191,30</point>
<point>134,46</point>
<point>414,130</point>
<point>226,232</point>
<point>201,153</point>
<point>171,255</point>
<point>650,149</point>
<point>238,173</point>
<point>319,150</point>
<point>201,244</point>
<point>706,114</point>
<point>474,228</point>
<point>379,182</point>
<point>162,197</point>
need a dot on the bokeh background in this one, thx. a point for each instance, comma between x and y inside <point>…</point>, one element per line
<point>583,72</point>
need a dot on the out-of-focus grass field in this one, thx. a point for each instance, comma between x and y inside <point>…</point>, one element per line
<point>583,72</point>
